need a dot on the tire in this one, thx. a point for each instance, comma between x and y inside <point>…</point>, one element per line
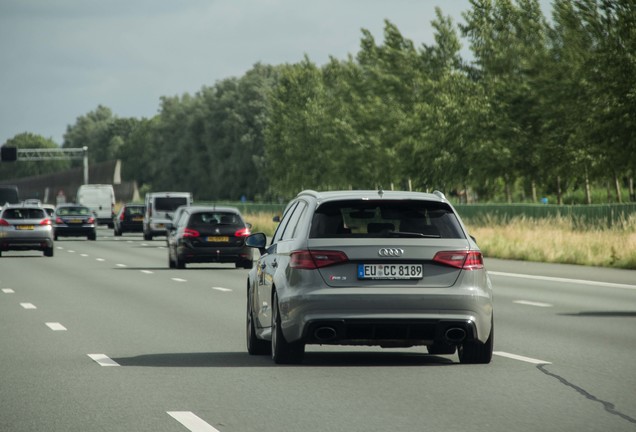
<point>48,252</point>
<point>117,233</point>
<point>283,352</point>
<point>246,264</point>
<point>255,346</point>
<point>147,236</point>
<point>180,264</point>
<point>171,263</point>
<point>477,352</point>
<point>92,237</point>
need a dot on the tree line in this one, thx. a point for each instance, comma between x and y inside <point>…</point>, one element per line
<point>539,107</point>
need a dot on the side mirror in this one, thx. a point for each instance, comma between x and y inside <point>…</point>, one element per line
<point>276,218</point>
<point>258,241</point>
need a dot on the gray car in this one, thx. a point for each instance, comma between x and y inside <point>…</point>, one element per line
<point>25,227</point>
<point>377,268</point>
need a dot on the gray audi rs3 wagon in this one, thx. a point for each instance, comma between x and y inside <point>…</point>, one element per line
<point>378,268</point>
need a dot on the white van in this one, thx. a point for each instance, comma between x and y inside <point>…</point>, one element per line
<point>160,207</point>
<point>100,198</point>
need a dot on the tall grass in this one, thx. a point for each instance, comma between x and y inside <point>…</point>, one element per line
<point>554,240</point>
<point>558,240</point>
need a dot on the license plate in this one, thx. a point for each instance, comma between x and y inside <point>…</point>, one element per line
<point>390,271</point>
<point>25,227</point>
<point>218,239</point>
<point>76,221</point>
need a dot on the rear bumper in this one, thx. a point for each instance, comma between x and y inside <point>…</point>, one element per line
<point>389,332</point>
<point>389,316</point>
<point>39,243</point>
<point>74,231</point>
<point>214,254</point>
<point>131,227</point>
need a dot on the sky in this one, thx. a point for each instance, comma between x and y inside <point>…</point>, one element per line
<point>61,59</point>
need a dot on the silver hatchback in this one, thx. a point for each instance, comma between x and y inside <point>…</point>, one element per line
<point>377,268</point>
<point>25,227</point>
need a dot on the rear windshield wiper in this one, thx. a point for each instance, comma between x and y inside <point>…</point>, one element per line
<point>410,234</point>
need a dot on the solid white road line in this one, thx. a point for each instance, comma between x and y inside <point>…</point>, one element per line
<point>565,280</point>
<point>191,421</point>
<point>222,289</point>
<point>55,326</point>
<point>28,305</point>
<point>520,358</point>
<point>103,360</point>
<point>8,291</point>
<point>532,303</point>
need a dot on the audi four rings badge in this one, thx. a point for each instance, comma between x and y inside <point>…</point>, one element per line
<point>391,252</point>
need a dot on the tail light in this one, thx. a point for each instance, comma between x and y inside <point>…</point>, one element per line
<point>243,232</point>
<point>466,260</point>
<point>90,220</point>
<point>310,260</point>
<point>58,220</point>
<point>121,216</point>
<point>46,222</point>
<point>4,223</point>
<point>189,232</point>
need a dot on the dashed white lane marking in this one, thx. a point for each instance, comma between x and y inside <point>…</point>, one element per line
<point>121,265</point>
<point>556,279</point>
<point>191,421</point>
<point>28,305</point>
<point>8,291</point>
<point>147,272</point>
<point>103,360</point>
<point>532,303</point>
<point>70,251</point>
<point>84,255</point>
<point>222,289</point>
<point>55,326</point>
<point>179,280</point>
<point>100,259</point>
<point>520,358</point>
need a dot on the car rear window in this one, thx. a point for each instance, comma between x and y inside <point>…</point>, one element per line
<point>63,211</point>
<point>386,218</point>
<point>214,218</point>
<point>24,213</point>
<point>135,211</point>
<point>169,203</point>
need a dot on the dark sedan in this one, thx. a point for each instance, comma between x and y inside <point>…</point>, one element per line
<point>74,220</point>
<point>130,218</point>
<point>208,235</point>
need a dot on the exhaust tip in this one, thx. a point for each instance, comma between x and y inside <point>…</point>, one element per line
<point>325,333</point>
<point>455,334</point>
